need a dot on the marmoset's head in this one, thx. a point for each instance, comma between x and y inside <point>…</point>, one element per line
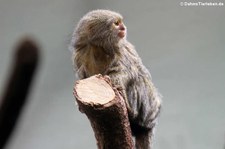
<point>100,28</point>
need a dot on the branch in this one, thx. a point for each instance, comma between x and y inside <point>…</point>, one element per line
<point>106,111</point>
<point>24,65</point>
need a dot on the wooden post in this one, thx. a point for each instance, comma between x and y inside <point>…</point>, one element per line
<point>106,110</point>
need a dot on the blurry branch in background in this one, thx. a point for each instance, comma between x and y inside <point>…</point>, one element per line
<point>106,111</point>
<point>14,96</point>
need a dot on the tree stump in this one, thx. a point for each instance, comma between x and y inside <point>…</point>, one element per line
<point>106,111</point>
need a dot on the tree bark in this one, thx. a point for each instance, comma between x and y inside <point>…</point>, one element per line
<point>106,111</point>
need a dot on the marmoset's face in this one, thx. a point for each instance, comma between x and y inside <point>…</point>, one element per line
<point>120,28</point>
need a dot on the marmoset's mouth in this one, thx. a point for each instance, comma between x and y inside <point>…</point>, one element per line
<point>122,34</point>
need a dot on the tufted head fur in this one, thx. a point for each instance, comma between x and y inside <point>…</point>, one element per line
<point>97,28</point>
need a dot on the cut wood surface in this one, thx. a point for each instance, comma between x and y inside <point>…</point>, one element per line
<point>106,110</point>
<point>95,90</point>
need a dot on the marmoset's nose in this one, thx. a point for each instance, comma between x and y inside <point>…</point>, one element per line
<point>121,27</point>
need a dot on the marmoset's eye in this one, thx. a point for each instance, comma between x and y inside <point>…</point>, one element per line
<point>117,23</point>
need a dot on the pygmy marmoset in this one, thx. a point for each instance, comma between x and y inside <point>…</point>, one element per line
<point>100,47</point>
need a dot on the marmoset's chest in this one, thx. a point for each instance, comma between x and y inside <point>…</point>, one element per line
<point>96,61</point>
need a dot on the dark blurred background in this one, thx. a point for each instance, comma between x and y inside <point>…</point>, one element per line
<point>183,47</point>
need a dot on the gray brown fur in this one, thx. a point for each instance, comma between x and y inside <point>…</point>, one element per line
<point>97,49</point>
